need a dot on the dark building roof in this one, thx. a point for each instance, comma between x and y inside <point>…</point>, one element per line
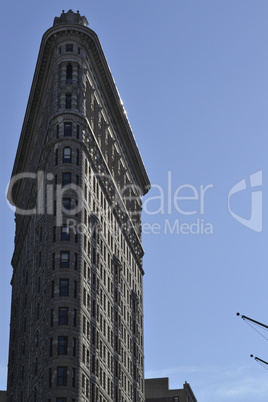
<point>157,390</point>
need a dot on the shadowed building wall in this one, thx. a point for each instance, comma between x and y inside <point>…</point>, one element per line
<point>3,396</point>
<point>157,390</point>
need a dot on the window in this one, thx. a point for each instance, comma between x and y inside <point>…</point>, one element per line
<point>176,399</point>
<point>67,129</point>
<point>75,260</point>
<point>94,252</point>
<point>66,203</point>
<point>74,317</point>
<point>84,296</point>
<point>59,50</point>
<point>67,155</point>
<point>52,289</point>
<point>64,259</point>
<point>69,74</point>
<point>84,354</point>
<point>56,157</point>
<point>61,375</point>
<point>66,179</point>
<point>63,315</point>
<point>94,308</point>
<point>93,364</point>
<point>65,234</point>
<point>69,48</point>
<point>77,131</point>
<point>64,287</point>
<point>87,388</point>
<point>62,345</point>
<point>61,400</point>
<point>68,101</point>
<point>51,347</point>
<point>75,289</point>
<point>77,157</point>
<point>51,317</point>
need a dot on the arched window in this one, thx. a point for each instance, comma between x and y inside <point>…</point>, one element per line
<point>69,74</point>
<point>67,155</point>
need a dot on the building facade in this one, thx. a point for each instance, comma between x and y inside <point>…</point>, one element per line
<point>157,390</point>
<point>76,331</point>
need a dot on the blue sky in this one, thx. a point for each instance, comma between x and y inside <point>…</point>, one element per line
<point>194,82</point>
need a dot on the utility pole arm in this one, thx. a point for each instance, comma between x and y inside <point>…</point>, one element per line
<point>259,360</point>
<point>244,317</point>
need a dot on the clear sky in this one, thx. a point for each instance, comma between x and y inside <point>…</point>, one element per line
<point>193,76</point>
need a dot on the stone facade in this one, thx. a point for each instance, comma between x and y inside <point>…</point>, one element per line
<point>76,330</point>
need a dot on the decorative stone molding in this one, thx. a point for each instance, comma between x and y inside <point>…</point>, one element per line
<point>70,18</point>
<point>120,210</point>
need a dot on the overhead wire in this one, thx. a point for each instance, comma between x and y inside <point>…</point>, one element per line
<point>248,321</point>
<point>262,364</point>
<point>255,329</point>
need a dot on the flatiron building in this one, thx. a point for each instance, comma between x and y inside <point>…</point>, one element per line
<point>76,330</point>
